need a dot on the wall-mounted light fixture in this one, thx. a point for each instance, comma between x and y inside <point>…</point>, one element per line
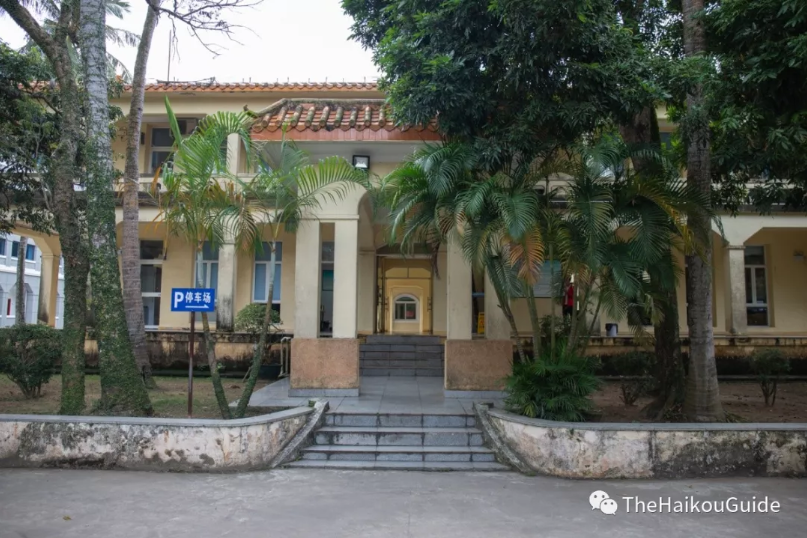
<point>362,162</point>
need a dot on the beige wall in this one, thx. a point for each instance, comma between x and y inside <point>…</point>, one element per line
<point>787,280</point>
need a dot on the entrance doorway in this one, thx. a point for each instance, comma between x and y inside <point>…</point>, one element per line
<point>404,295</point>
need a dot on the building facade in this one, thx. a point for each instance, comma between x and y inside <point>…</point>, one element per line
<point>337,278</point>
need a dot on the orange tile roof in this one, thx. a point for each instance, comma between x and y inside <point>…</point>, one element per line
<point>257,86</point>
<point>336,120</point>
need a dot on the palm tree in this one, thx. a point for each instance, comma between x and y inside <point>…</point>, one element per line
<point>623,226</point>
<point>702,401</point>
<point>122,388</point>
<point>130,247</point>
<point>195,197</point>
<point>440,195</point>
<point>282,192</point>
<point>204,201</point>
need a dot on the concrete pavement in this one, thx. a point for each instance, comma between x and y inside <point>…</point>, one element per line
<point>317,503</point>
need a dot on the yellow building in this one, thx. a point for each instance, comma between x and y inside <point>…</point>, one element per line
<point>338,280</point>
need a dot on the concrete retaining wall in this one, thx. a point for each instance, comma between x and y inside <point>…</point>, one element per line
<point>147,443</point>
<point>578,450</point>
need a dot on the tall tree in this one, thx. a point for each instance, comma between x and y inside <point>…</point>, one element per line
<point>200,16</point>
<point>122,389</point>
<point>130,251</point>
<point>702,400</point>
<point>19,313</point>
<point>518,78</point>
<point>654,25</point>
<point>28,133</point>
<point>65,203</point>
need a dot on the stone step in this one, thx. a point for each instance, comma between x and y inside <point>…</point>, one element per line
<point>389,339</point>
<point>402,363</point>
<point>392,420</point>
<point>404,350</point>
<point>398,453</point>
<point>397,436</point>
<point>400,465</point>
<point>402,372</point>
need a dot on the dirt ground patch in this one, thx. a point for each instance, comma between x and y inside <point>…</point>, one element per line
<point>170,398</point>
<point>743,399</point>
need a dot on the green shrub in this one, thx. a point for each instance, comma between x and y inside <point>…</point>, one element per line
<point>552,389</point>
<point>769,365</point>
<point>636,369</point>
<point>563,327</point>
<point>250,319</point>
<point>28,354</point>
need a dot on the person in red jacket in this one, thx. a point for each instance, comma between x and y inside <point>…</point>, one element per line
<point>568,300</point>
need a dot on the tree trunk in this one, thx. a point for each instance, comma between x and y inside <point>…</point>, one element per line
<point>702,401</point>
<point>72,238</point>
<point>643,131</point>
<point>212,362</point>
<point>19,313</point>
<point>504,304</point>
<point>122,389</point>
<point>535,322</point>
<point>210,345</point>
<point>130,252</point>
<point>257,359</point>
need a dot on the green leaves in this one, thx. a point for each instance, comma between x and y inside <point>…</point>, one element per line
<point>512,77</point>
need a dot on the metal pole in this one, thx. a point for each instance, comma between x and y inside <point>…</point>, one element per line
<point>190,365</point>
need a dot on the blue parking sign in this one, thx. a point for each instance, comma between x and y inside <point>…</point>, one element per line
<point>193,299</point>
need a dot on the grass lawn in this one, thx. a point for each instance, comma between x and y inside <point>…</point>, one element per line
<point>170,398</point>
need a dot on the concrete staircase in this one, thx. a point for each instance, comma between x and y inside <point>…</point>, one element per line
<point>399,355</point>
<point>409,442</point>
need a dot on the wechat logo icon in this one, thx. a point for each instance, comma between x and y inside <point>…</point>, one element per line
<point>599,500</point>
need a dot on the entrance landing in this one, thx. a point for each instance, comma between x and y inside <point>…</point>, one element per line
<point>403,395</point>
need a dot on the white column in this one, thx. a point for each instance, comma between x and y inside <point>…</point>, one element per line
<point>233,153</point>
<point>225,290</point>
<point>737,299</point>
<point>496,325</point>
<point>458,284</point>
<point>48,289</point>
<point>346,278</point>
<point>307,280</point>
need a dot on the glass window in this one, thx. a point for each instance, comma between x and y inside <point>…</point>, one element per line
<point>754,255</point>
<point>543,288</point>
<point>327,251</point>
<point>406,308</point>
<point>756,286</point>
<point>151,277</point>
<point>2,247</point>
<point>30,253</point>
<point>151,281</point>
<point>265,253</point>
<point>260,288</point>
<point>209,253</point>
<point>161,137</point>
<point>161,146</point>
<point>15,249</point>
<point>151,250</point>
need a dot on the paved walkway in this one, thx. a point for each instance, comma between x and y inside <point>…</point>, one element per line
<point>377,395</point>
<point>362,504</point>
